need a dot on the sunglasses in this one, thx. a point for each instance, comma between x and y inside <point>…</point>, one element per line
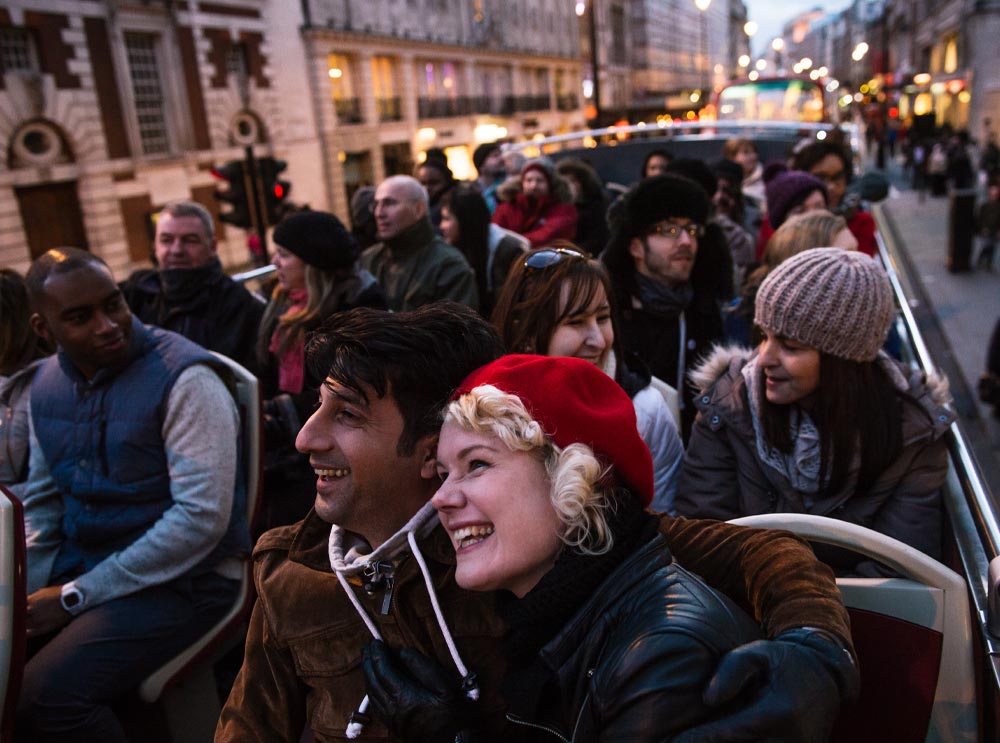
<point>549,257</point>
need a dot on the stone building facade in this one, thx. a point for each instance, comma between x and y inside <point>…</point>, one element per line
<point>110,109</point>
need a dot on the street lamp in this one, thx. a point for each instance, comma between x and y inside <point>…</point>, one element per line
<point>581,8</point>
<point>778,44</point>
<point>702,6</point>
<point>859,51</point>
<point>750,28</point>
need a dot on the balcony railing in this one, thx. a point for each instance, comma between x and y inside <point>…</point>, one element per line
<point>389,109</point>
<point>436,108</point>
<point>532,103</point>
<point>567,103</point>
<point>348,110</point>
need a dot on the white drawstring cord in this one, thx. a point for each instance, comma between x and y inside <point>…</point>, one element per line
<point>468,680</point>
<point>355,725</point>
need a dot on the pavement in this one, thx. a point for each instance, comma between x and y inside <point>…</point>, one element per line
<point>956,312</point>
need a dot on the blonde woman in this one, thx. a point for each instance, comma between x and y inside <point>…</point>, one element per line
<point>544,480</point>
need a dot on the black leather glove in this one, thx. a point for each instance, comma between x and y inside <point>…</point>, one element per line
<point>416,698</point>
<point>789,688</point>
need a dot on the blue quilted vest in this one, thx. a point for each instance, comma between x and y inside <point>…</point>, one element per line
<point>103,444</point>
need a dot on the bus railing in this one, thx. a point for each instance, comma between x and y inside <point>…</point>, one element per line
<point>972,512</point>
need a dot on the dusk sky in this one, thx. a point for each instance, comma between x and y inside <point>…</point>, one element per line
<point>771,16</point>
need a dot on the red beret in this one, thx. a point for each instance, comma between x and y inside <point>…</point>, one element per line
<point>575,403</point>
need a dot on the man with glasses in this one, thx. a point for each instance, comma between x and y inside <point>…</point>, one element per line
<point>413,265</point>
<point>667,318</point>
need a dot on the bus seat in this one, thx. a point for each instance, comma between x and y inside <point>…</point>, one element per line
<point>913,637</point>
<point>13,608</point>
<point>185,685</point>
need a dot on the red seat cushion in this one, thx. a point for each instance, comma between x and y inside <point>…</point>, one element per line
<point>899,664</point>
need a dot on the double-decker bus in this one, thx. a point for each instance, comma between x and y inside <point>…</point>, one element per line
<point>772,99</point>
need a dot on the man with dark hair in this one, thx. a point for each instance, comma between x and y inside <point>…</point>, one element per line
<point>133,513</point>
<point>668,319</point>
<point>189,293</point>
<point>414,265</point>
<point>371,560</point>
<point>488,159</point>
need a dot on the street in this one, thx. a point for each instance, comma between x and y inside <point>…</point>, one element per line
<point>956,312</point>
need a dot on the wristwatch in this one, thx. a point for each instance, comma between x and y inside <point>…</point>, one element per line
<point>70,597</point>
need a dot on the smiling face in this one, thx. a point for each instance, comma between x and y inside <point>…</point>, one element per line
<point>790,368</point>
<point>495,505</point>
<point>665,259</point>
<point>585,332</point>
<point>84,313</point>
<point>363,482</point>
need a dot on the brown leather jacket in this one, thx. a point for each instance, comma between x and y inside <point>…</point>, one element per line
<point>303,651</point>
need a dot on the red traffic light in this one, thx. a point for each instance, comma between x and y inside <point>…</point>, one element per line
<point>279,191</point>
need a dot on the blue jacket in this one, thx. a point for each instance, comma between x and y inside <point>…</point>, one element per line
<point>103,444</point>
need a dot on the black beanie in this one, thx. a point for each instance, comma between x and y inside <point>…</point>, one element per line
<point>662,197</point>
<point>319,239</point>
<point>482,152</point>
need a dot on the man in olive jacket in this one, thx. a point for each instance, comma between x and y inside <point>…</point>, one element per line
<point>413,264</point>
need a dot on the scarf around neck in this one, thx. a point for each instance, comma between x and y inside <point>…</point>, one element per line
<point>800,466</point>
<point>411,239</point>
<point>661,299</point>
<point>184,285</point>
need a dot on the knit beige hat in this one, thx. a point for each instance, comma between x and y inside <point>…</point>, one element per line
<point>836,301</point>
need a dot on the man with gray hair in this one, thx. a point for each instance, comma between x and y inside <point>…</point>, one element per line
<point>413,265</point>
<point>189,293</point>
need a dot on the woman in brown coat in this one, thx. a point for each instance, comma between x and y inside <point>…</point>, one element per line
<point>817,419</point>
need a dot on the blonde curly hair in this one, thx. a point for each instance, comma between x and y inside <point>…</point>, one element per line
<point>576,495</point>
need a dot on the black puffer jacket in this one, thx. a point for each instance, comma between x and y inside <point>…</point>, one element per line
<point>633,662</point>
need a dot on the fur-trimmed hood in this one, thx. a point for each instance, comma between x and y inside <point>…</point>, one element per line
<point>719,381</point>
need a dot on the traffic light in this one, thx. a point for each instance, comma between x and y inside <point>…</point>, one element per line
<point>235,194</point>
<point>275,190</point>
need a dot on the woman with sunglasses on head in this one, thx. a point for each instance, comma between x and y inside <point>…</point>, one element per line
<point>557,302</point>
<point>544,483</point>
<point>819,419</point>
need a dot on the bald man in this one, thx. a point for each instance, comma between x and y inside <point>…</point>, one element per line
<point>413,265</point>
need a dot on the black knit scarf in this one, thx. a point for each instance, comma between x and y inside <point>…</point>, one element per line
<point>536,619</point>
<point>661,299</point>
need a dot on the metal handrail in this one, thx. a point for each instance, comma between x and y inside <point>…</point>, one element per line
<point>973,515</point>
<point>254,273</point>
<point>685,127</point>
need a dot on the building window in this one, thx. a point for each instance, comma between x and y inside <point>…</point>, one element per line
<point>147,93</point>
<point>950,54</point>
<point>17,50</point>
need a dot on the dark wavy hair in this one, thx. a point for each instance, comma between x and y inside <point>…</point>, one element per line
<point>858,411</point>
<point>419,357</point>
<point>807,158</point>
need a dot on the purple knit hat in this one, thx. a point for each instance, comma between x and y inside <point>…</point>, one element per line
<point>787,190</point>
